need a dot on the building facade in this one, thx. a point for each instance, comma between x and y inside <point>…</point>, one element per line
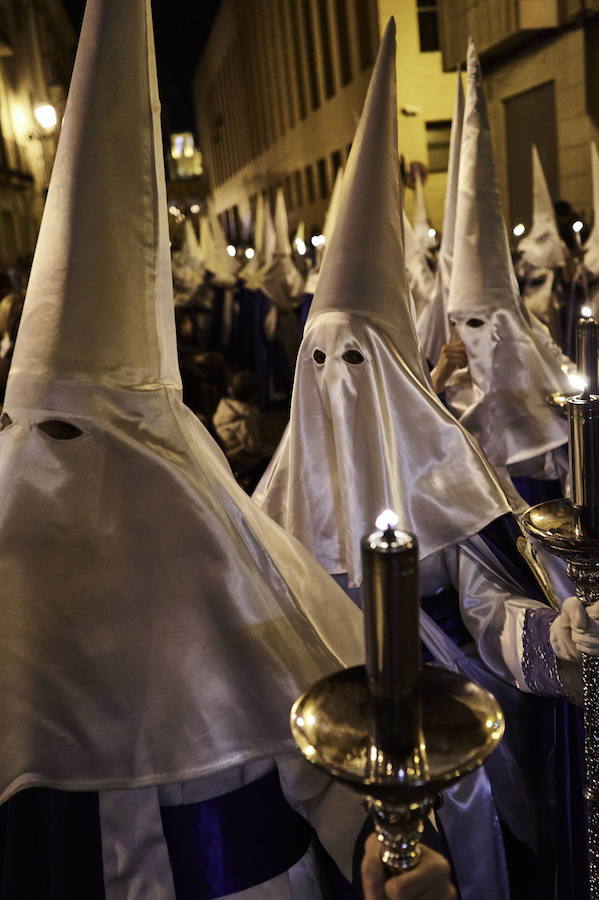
<point>279,90</point>
<point>37,48</point>
<point>540,63</point>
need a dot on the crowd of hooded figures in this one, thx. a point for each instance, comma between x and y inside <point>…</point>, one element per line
<point>157,622</point>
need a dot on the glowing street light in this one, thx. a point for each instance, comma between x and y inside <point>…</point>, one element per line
<point>432,233</point>
<point>46,116</point>
<point>518,230</point>
<point>194,208</point>
<point>586,312</point>
<point>577,226</point>
<point>249,252</point>
<point>300,246</point>
<point>231,250</point>
<point>318,240</point>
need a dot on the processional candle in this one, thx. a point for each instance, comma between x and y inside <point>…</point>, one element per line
<point>391,614</point>
<point>583,416</point>
<point>587,346</point>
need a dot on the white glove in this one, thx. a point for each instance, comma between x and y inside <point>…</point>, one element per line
<point>575,630</point>
<point>561,637</point>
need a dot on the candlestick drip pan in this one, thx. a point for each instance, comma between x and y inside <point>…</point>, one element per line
<point>462,725</point>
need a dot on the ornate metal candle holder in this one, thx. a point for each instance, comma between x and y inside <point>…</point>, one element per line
<point>396,733</point>
<point>571,531</point>
<point>556,525</point>
<point>461,726</point>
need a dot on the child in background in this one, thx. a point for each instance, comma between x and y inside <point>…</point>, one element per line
<point>237,424</point>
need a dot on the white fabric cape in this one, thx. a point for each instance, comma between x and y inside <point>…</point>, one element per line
<point>156,626</point>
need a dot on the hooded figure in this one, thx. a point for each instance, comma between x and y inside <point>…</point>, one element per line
<point>187,265</point>
<point>327,230</point>
<point>422,222</point>
<point>148,606</point>
<point>433,324</point>
<point>542,255</point>
<point>420,275</point>
<point>367,433</point>
<point>513,365</point>
<point>361,384</point>
<point>284,286</point>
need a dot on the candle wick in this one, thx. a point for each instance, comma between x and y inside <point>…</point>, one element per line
<point>389,534</point>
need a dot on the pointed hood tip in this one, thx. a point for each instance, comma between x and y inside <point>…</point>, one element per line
<point>363,270</point>
<point>79,288</point>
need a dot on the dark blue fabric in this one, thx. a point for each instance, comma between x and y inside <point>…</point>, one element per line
<point>272,367</point>
<point>537,490</point>
<point>242,353</point>
<point>50,846</point>
<point>501,536</point>
<point>235,841</point>
<point>304,310</point>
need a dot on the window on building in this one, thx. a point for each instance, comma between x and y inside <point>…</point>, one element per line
<point>428,28</point>
<point>310,184</point>
<point>311,55</point>
<point>343,40</point>
<point>323,182</point>
<point>365,34</point>
<point>336,161</point>
<point>288,192</point>
<point>299,188</point>
<point>325,41</point>
<point>297,56</point>
<point>438,134</point>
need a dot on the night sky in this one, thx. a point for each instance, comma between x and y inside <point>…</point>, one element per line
<point>181,28</point>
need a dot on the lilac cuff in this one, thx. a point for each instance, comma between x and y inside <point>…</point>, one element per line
<point>539,662</point>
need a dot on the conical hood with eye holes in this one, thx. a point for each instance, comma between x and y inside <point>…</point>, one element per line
<point>513,363</point>
<point>366,431</point>
<point>148,606</point>
<point>542,247</point>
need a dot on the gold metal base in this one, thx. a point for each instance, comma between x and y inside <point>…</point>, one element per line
<point>462,724</point>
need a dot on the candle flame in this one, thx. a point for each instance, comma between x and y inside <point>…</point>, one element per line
<point>387,519</point>
<point>577,381</point>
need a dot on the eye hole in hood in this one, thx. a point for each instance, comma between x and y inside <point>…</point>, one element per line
<point>319,357</point>
<point>5,421</point>
<point>59,430</point>
<point>353,357</point>
<point>475,323</point>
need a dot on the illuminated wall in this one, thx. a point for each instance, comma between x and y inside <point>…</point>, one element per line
<point>36,55</point>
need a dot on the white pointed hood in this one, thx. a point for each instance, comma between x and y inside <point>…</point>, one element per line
<point>591,256</point>
<point>420,275</point>
<point>266,240</point>
<point>422,221</point>
<point>225,266</point>
<point>330,221</point>
<point>512,370</point>
<point>542,247</point>
<point>283,283</point>
<point>366,430</point>
<point>192,249</point>
<point>433,326</point>
<point>282,244</point>
<point>207,245</point>
<point>248,271</point>
<point>136,574</point>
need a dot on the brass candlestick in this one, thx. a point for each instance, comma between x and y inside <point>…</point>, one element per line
<point>570,529</point>
<point>393,732</point>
